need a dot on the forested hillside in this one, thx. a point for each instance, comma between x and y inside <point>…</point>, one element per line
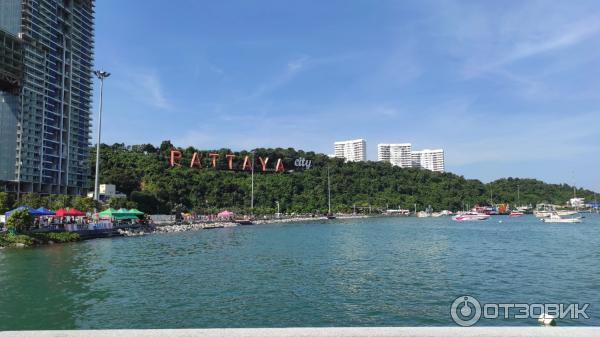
<point>144,172</point>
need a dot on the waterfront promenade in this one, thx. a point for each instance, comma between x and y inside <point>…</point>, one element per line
<point>327,332</point>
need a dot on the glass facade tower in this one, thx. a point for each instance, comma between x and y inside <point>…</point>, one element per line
<point>46,59</point>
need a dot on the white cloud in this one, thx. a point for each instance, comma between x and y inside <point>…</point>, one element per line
<point>145,86</point>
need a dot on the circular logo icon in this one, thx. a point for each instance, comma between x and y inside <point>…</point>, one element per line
<point>465,310</point>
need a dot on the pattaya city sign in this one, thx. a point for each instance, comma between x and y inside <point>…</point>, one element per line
<point>301,162</point>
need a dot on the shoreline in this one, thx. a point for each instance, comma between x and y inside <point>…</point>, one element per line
<point>173,227</point>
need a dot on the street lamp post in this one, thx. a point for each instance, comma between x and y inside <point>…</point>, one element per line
<point>518,196</point>
<point>252,198</point>
<point>101,75</point>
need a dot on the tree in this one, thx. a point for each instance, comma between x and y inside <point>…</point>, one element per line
<point>6,202</point>
<point>20,219</point>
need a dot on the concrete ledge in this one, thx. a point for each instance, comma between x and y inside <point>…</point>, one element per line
<point>327,332</point>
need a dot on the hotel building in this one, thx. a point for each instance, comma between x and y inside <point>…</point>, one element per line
<point>46,59</point>
<point>351,150</point>
<point>398,154</point>
<point>428,159</point>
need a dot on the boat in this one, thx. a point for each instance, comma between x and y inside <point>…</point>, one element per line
<point>436,215</point>
<point>475,214</point>
<point>557,219</point>
<point>244,222</point>
<point>543,211</point>
<point>423,215</point>
<point>330,216</point>
<point>565,213</point>
<point>469,216</point>
<point>515,213</point>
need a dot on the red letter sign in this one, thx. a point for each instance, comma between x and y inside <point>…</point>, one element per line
<point>279,165</point>
<point>196,161</point>
<point>174,155</point>
<point>214,157</point>
<point>264,164</point>
<point>230,157</point>
<point>246,164</point>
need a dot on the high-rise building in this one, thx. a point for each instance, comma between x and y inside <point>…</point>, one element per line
<point>46,55</point>
<point>398,154</point>
<point>428,159</point>
<point>351,150</point>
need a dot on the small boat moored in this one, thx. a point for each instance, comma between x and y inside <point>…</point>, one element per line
<point>554,218</point>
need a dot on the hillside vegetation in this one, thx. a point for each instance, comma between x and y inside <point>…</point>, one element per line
<point>144,173</point>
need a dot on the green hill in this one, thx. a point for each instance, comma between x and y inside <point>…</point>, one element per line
<point>144,172</point>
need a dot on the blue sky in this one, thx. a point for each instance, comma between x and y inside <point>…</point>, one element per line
<point>506,88</point>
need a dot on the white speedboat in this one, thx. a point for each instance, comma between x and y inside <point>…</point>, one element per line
<point>471,216</point>
<point>557,219</point>
<point>436,215</point>
<point>515,213</point>
<point>565,213</point>
<point>423,215</point>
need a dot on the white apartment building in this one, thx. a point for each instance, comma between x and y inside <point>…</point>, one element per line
<point>351,150</point>
<point>106,191</point>
<point>428,159</point>
<point>398,154</point>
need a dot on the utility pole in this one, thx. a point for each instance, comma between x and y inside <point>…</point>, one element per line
<point>101,75</point>
<point>328,190</point>
<point>518,195</point>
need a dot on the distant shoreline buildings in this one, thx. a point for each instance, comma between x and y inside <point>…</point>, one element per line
<point>397,154</point>
<point>351,150</point>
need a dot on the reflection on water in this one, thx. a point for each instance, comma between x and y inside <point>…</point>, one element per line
<point>363,272</point>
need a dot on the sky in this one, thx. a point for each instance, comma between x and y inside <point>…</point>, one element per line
<point>506,88</point>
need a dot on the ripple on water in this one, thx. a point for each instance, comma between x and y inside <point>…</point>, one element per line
<point>367,272</point>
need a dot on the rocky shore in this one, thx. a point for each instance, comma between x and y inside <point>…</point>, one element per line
<point>194,226</point>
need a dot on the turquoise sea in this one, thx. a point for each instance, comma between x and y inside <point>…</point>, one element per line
<point>354,272</point>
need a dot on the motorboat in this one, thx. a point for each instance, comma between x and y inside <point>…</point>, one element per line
<point>565,213</point>
<point>436,215</point>
<point>544,210</point>
<point>554,218</point>
<point>423,215</point>
<point>515,213</point>
<point>471,216</point>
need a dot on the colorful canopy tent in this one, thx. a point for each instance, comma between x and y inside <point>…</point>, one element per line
<point>128,214</point>
<point>226,213</point>
<point>136,212</point>
<point>32,211</point>
<point>45,211</point>
<point>63,212</point>
<point>593,204</point>
<point>76,212</point>
<point>114,213</point>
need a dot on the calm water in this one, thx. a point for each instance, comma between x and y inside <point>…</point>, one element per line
<point>371,272</point>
